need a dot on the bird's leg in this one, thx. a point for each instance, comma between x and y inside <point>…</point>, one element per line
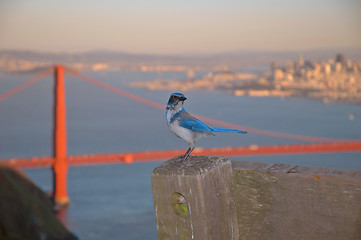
<point>186,155</point>
<point>190,149</point>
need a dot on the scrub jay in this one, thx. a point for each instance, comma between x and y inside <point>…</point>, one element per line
<point>189,128</point>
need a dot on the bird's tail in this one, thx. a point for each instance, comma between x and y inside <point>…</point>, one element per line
<point>228,130</point>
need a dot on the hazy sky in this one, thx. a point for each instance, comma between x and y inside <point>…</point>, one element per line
<point>179,26</point>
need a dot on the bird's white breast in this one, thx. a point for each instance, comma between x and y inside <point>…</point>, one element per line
<point>184,133</point>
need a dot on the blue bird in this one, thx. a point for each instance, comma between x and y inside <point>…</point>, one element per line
<point>189,128</point>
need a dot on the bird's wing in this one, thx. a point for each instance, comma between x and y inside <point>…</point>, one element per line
<point>187,121</point>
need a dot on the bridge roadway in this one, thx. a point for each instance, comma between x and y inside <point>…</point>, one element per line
<point>253,150</point>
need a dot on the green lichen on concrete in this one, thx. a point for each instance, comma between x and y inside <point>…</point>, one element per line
<point>253,199</point>
<point>178,204</point>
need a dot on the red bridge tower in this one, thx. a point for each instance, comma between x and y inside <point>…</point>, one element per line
<point>60,164</point>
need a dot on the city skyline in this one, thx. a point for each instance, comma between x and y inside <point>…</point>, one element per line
<point>179,27</point>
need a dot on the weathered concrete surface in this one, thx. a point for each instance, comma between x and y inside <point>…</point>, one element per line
<point>25,211</point>
<point>193,199</point>
<point>290,202</point>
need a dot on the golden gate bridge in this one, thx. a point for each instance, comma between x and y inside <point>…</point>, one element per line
<point>60,160</point>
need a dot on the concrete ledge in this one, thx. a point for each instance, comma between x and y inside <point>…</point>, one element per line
<point>280,201</point>
<point>265,201</point>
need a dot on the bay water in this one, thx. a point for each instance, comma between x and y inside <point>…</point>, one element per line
<point>115,201</point>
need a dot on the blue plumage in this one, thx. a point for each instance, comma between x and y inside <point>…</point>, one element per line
<point>187,127</point>
<point>228,130</point>
<point>187,121</point>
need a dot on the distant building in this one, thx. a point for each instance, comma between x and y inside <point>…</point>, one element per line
<point>355,68</point>
<point>273,66</point>
<point>278,75</point>
<point>317,69</point>
<point>100,67</point>
<point>309,64</point>
<point>338,67</point>
<point>340,58</point>
<point>300,60</point>
<point>289,67</point>
<point>349,65</point>
<point>190,74</point>
<point>327,68</point>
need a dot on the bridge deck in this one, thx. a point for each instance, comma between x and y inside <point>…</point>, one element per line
<point>254,150</point>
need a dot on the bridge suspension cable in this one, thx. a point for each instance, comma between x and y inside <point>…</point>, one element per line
<point>26,84</point>
<point>115,90</point>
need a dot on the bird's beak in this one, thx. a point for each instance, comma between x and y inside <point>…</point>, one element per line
<point>182,98</point>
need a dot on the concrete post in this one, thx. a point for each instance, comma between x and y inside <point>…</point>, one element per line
<point>193,199</point>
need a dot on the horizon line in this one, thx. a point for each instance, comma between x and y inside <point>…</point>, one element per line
<point>227,52</point>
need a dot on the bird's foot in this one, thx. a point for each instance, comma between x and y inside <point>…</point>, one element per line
<point>183,158</point>
<point>180,161</point>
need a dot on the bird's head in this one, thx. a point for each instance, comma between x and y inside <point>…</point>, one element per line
<point>176,101</point>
